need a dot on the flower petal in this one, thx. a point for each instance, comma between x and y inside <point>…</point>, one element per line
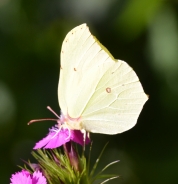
<point>57,137</point>
<point>24,177</point>
<point>38,178</point>
<point>21,178</point>
<point>78,137</point>
<point>53,139</point>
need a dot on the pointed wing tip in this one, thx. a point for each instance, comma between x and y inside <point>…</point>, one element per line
<point>81,26</point>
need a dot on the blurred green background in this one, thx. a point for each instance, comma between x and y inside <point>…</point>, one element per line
<point>142,32</point>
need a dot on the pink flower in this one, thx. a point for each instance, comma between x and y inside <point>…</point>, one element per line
<point>24,177</point>
<point>59,136</point>
<point>62,132</point>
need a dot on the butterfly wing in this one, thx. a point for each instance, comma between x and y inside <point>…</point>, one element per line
<point>105,93</point>
<point>83,63</point>
<point>116,102</point>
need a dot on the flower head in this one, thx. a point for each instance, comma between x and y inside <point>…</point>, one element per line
<point>24,177</point>
<point>61,133</point>
<point>59,136</point>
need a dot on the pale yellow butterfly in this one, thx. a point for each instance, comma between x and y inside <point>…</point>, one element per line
<point>96,92</point>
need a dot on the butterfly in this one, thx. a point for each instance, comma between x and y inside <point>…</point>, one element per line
<point>96,93</point>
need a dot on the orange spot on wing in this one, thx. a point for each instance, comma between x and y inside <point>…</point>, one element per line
<point>108,90</point>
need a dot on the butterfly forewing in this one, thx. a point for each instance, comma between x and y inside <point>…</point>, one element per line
<point>80,73</point>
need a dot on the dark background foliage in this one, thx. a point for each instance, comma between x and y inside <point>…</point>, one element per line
<point>142,32</point>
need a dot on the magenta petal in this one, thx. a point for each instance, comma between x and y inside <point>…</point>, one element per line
<point>78,137</point>
<point>21,177</point>
<point>43,142</point>
<point>53,141</point>
<point>57,137</point>
<point>24,177</point>
<point>24,172</point>
<point>61,138</point>
<point>38,178</point>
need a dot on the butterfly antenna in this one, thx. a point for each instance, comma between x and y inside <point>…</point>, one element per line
<point>38,120</point>
<point>49,108</point>
<point>48,119</point>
